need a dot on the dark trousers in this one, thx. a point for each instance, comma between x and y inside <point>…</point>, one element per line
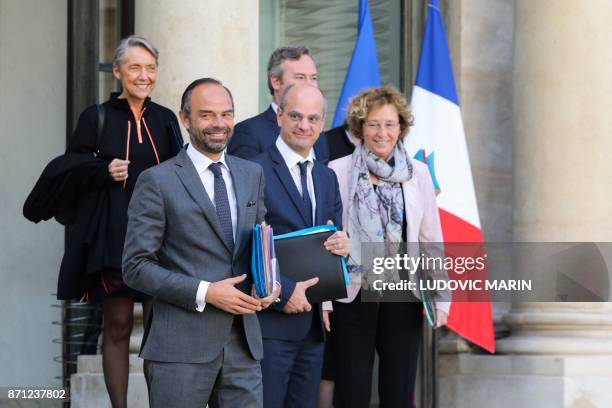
<point>393,330</point>
<point>292,372</point>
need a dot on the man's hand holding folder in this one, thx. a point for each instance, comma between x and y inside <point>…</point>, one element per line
<point>225,296</point>
<point>268,300</point>
<point>337,244</point>
<point>307,254</point>
<point>323,266</point>
<point>298,302</point>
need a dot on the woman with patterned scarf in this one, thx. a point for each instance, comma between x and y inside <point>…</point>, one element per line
<point>388,199</point>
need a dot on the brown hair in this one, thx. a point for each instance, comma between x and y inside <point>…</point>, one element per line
<point>373,98</point>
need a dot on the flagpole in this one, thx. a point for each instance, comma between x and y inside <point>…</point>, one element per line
<point>429,368</point>
<point>434,369</point>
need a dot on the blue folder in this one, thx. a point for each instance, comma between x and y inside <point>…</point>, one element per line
<point>263,260</point>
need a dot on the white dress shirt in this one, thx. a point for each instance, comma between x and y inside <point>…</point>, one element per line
<point>201,163</point>
<point>274,107</point>
<point>292,160</point>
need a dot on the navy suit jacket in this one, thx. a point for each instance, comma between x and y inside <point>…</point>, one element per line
<point>256,135</point>
<point>285,214</point>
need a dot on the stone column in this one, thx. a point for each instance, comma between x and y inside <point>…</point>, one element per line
<point>562,188</point>
<point>562,172</point>
<point>557,354</point>
<point>195,38</point>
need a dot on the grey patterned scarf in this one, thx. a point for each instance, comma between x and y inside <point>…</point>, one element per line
<point>376,215</point>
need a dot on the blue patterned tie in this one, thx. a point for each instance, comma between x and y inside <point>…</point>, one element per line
<point>222,205</point>
<point>305,196</point>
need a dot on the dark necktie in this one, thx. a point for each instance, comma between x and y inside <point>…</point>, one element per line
<point>305,196</point>
<point>224,214</point>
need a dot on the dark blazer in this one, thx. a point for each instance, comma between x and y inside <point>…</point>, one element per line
<point>174,240</point>
<point>257,134</point>
<point>77,187</point>
<point>72,187</point>
<point>60,186</point>
<point>158,123</point>
<point>339,145</point>
<point>285,214</point>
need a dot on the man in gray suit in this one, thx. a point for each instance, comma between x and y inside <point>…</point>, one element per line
<point>188,245</point>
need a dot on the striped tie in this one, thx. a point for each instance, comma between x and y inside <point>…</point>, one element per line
<point>305,196</point>
<point>224,214</point>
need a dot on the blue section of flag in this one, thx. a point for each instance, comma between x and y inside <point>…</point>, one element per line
<point>435,72</point>
<point>363,68</point>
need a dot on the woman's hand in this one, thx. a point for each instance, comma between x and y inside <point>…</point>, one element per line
<point>441,318</point>
<point>338,244</point>
<point>326,323</point>
<point>118,169</point>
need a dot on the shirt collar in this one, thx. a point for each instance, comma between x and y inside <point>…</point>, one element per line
<point>201,161</point>
<point>349,137</point>
<point>274,107</point>
<point>290,157</point>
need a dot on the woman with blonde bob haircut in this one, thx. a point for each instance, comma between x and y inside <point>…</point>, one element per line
<point>128,133</point>
<point>387,198</point>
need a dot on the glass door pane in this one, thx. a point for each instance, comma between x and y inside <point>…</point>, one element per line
<point>329,29</point>
<point>110,35</point>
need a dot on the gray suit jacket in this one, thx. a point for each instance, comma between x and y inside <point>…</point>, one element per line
<point>173,241</point>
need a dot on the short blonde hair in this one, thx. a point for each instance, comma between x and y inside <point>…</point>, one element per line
<point>373,98</point>
<point>133,41</point>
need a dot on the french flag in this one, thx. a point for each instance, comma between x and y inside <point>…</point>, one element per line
<point>438,139</point>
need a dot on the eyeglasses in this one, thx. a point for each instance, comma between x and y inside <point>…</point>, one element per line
<point>298,117</point>
<point>379,126</point>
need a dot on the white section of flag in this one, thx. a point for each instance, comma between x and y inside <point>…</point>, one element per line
<point>438,128</point>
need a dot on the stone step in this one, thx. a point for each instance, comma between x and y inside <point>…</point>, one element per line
<point>136,339</point>
<point>92,364</point>
<point>138,312</point>
<point>87,390</point>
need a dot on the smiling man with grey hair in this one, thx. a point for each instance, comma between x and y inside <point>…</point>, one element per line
<point>288,65</point>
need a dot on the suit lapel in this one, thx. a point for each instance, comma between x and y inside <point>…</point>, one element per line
<point>317,180</point>
<point>286,180</point>
<point>241,190</point>
<point>188,175</point>
<point>271,116</point>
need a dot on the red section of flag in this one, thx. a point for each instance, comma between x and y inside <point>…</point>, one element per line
<point>470,320</point>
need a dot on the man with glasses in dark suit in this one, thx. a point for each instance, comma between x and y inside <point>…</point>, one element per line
<point>300,192</point>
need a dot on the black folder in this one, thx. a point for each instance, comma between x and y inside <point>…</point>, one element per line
<point>303,257</point>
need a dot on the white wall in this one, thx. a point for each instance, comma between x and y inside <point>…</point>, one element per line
<point>32,131</point>
<point>212,38</point>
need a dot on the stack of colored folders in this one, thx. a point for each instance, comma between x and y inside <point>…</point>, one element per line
<point>264,266</point>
